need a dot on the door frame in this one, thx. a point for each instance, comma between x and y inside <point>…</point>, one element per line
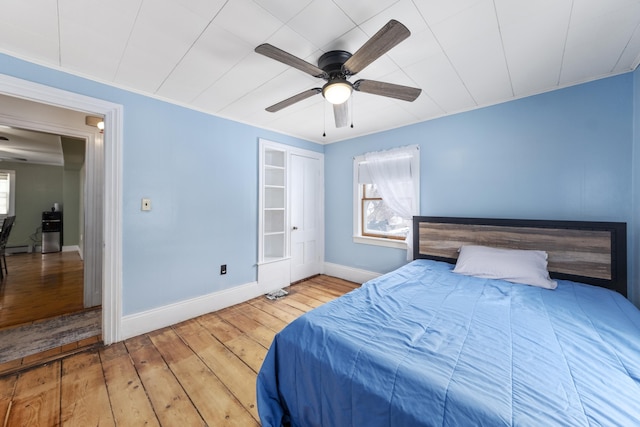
<point>110,163</point>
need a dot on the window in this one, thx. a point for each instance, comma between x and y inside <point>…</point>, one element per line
<point>386,196</point>
<point>377,219</point>
<point>7,193</point>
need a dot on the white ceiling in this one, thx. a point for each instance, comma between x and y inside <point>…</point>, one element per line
<point>464,54</point>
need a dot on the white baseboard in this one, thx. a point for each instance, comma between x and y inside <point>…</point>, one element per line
<point>150,320</point>
<point>71,248</point>
<point>349,273</point>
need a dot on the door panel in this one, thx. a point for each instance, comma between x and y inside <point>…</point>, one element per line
<point>306,217</point>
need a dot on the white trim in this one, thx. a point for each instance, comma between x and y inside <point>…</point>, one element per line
<point>12,192</point>
<point>71,248</point>
<point>379,241</point>
<point>113,114</point>
<point>267,273</point>
<point>357,189</point>
<point>151,320</point>
<point>349,273</point>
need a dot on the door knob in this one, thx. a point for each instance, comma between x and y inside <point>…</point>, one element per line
<point>295,228</point>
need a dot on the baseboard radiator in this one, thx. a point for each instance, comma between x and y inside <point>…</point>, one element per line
<point>21,249</point>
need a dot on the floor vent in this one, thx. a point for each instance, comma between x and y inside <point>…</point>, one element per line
<point>280,293</point>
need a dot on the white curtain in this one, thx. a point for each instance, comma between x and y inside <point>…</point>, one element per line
<point>392,174</point>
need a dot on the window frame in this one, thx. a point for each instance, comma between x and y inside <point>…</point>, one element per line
<point>358,204</point>
<point>11,200</point>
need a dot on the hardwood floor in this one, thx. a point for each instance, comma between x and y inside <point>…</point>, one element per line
<point>196,373</point>
<point>39,286</point>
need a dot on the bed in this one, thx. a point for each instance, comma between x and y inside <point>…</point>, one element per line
<point>427,346</point>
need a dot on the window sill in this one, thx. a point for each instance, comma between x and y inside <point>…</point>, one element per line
<point>377,241</point>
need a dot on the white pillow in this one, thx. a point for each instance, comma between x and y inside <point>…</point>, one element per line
<point>514,265</point>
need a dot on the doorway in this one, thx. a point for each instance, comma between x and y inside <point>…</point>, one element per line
<point>102,241</point>
<point>44,277</point>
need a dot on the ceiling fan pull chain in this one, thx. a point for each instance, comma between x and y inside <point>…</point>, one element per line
<point>351,111</point>
<point>324,120</point>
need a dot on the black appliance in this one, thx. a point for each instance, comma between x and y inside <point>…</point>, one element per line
<point>51,231</point>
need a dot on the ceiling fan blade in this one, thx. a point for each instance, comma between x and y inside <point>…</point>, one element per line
<point>295,98</point>
<point>341,114</point>
<point>404,93</point>
<point>286,58</point>
<point>381,42</point>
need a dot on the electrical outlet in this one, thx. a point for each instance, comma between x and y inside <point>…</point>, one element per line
<point>146,204</point>
<point>223,269</point>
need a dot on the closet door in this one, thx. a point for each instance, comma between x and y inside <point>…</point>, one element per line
<point>306,216</point>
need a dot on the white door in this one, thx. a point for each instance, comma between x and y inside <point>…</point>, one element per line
<point>306,216</point>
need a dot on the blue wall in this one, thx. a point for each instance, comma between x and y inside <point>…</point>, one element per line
<point>564,155</point>
<point>200,172</point>
<point>635,228</point>
<point>568,154</point>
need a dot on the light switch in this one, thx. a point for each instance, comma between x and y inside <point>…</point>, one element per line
<point>146,204</point>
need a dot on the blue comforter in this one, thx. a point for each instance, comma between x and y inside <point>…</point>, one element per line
<point>423,346</point>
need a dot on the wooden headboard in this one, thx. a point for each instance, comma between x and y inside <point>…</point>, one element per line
<point>582,251</point>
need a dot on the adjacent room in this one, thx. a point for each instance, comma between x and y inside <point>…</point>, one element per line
<point>274,211</point>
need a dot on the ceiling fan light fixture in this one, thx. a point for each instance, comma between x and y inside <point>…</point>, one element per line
<point>337,91</point>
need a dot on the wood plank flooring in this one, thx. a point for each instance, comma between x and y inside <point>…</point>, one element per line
<point>39,286</point>
<point>201,372</point>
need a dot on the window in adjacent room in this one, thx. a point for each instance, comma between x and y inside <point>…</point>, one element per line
<point>386,196</point>
<point>7,193</point>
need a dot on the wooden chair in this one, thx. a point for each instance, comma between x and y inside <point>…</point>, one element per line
<point>7,224</point>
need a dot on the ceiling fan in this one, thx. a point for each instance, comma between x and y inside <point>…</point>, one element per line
<point>337,66</point>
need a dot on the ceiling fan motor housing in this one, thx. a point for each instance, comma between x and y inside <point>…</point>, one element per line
<point>337,89</point>
<point>331,62</point>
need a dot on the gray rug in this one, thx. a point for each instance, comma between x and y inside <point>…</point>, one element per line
<point>21,341</point>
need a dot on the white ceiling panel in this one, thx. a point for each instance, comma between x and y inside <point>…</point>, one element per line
<point>102,37</point>
<point>162,35</point>
<point>478,20</point>
<point>463,54</point>
<point>214,54</point>
<point>534,57</point>
<point>284,10</point>
<point>630,57</point>
<point>472,42</point>
<point>597,38</point>
<point>204,8</point>
<point>362,10</point>
<point>242,79</point>
<point>423,107</point>
<point>435,12</point>
<point>30,29</point>
<point>439,80</point>
<point>248,20</point>
<point>321,22</point>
